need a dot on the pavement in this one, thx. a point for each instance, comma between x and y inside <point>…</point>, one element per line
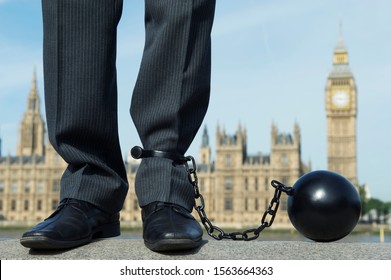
<point>134,249</point>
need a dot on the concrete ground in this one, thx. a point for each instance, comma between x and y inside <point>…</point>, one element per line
<point>134,249</point>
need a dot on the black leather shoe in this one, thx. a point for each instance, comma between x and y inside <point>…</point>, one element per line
<point>169,227</point>
<point>74,223</point>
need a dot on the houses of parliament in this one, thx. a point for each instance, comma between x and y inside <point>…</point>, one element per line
<point>235,184</point>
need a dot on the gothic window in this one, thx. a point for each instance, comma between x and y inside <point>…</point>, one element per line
<point>1,205</point>
<point>13,205</point>
<point>228,204</point>
<point>228,160</point>
<point>266,184</point>
<point>1,186</point>
<point>256,204</point>
<point>26,205</point>
<point>14,187</point>
<point>228,183</point>
<point>27,187</point>
<point>56,186</point>
<point>246,184</point>
<point>245,204</point>
<point>39,205</point>
<point>40,187</point>
<point>256,184</point>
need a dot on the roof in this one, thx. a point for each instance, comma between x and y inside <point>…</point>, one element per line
<point>22,159</point>
<point>341,71</point>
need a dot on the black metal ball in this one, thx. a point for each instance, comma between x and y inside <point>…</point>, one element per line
<point>324,206</point>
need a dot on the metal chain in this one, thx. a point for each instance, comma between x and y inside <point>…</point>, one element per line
<point>218,233</point>
<point>199,205</point>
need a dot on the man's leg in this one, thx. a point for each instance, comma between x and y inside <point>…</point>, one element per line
<point>81,98</point>
<point>172,93</point>
<point>81,110</point>
<point>168,105</point>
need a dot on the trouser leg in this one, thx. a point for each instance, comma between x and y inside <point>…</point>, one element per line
<point>171,95</point>
<point>81,98</point>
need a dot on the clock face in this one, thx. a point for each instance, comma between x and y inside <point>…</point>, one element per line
<point>340,98</point>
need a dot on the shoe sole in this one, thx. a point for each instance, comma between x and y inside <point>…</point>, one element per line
<point>165,245</point>
<point>46,243</point>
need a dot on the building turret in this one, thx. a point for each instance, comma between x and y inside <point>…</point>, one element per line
<point>32,127</point>
<point>205,151</point>
<point>285,155</point>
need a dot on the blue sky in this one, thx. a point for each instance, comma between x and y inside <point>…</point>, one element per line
<point>270,63</point>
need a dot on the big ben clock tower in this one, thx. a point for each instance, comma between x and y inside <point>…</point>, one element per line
<point>341,111</point>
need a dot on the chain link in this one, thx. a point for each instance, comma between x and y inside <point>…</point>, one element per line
<point>199,205</point>
<point>216,232</point>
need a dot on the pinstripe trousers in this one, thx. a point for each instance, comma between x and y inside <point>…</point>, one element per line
<point>168,105</point>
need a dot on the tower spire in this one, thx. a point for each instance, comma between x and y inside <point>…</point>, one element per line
<point>341,58</point>
<point>33,98</point>
<point>31,129</point>
<point>341,42</point>
<point>205,138</point>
